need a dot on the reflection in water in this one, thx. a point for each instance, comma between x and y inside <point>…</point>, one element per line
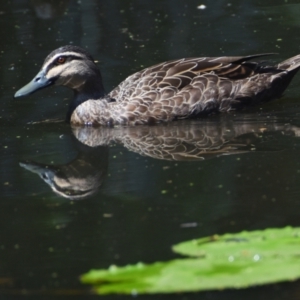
<point>77,179</point>
<point>187,141</point>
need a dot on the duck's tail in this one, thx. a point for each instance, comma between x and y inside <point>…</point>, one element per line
<point>287,70</point>
<point>291,65</point>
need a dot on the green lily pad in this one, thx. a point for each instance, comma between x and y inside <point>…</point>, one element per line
<point>228,261</point>
<point>254,244</point>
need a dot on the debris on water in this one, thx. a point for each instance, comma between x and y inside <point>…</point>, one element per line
<point>106,215</point>
<point>202,6</point>
<point>189,225</point>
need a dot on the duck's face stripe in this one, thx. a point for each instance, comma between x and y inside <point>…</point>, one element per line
<point>61,59</point>
<point>60,66</point>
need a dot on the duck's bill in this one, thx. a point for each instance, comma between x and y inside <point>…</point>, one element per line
<point>40,81</point>
<point>34,167</point>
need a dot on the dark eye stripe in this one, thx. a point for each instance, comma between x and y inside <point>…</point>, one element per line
<point>73,57</point>
<point>67,58</point>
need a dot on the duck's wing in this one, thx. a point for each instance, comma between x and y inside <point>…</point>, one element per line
<point>179,73</point>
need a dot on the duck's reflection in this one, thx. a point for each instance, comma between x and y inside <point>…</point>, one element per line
<point>196,141</point>
<point>78,179</point>
<point>186,140</point>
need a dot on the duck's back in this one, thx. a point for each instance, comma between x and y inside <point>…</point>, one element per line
<point>194,85</point>
<point>180,73</point>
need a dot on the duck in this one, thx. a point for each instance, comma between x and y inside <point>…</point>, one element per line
<point>168,91</point>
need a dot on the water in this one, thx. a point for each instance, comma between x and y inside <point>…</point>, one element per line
<point>137,199</point>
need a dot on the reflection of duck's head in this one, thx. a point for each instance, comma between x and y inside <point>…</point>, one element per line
<point>71,187</point>
<point>76,180</point>
<point>170,90</point>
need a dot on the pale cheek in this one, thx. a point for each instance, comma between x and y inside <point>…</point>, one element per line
<point>54,72</point>
<point>74,81</point>
<point>67,76</point>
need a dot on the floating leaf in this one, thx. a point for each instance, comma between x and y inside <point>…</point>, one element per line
<point>219,262</point>
<point>252,244</point>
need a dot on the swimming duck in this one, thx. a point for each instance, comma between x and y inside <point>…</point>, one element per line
<point>171,90</point>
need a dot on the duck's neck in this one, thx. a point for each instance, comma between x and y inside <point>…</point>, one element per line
<point>88,91</point>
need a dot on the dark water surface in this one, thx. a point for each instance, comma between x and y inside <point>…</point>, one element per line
<point>139,190</point>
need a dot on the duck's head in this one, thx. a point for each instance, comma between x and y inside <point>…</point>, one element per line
<point>69,66</point>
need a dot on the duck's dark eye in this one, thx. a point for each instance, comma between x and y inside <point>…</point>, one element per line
<point>60,60</point>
